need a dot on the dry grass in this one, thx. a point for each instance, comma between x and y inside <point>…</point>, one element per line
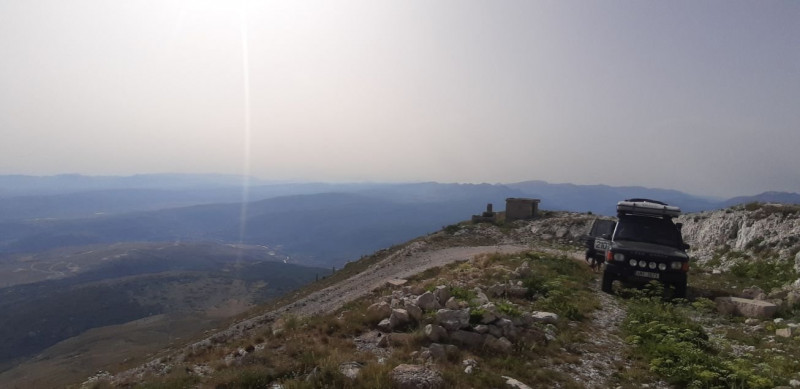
<point>307,352</point>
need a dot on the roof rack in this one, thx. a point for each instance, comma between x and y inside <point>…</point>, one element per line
<point>647,207</point>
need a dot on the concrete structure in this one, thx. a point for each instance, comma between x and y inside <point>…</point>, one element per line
<point>486,217</point>
<point>521,208</point>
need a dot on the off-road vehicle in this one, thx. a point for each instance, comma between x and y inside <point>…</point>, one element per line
<point>645,245</point>
<point>598,241</point>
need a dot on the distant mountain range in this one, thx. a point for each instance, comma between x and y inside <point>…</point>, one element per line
<point>318,223</point>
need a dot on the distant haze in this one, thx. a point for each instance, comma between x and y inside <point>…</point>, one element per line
<point>696,96</point>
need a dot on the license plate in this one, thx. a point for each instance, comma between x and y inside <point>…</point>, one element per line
<point>601,244</point>
<point>646,274</point>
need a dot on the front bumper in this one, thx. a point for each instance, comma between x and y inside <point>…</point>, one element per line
<point>637,275</point>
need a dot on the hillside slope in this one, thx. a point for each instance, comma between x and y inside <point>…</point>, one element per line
<point>337,316</point>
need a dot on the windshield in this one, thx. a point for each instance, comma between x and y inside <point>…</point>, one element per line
<point>648,230</point>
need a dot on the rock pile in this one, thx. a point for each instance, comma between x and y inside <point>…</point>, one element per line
<point>448,322</point>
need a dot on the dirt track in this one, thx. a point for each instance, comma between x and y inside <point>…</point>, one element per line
<point>404,263</point>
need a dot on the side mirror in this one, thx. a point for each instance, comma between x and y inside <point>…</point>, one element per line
<point>679,225</point>
<point>685,246</point>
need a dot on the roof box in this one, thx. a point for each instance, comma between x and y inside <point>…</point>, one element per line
<point>647,207</point>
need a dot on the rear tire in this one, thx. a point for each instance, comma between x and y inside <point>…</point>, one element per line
<point>607,283</point>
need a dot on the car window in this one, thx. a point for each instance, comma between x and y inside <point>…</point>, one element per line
<point>601,227</point>
<point>648,230</point>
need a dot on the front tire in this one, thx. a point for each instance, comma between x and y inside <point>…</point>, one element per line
<point>607,283</point>
<point>680,290</point>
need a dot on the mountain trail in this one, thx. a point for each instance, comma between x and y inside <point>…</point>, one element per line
<point>602,351</point>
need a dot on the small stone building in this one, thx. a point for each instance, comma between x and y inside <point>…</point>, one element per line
<point>521,208</point>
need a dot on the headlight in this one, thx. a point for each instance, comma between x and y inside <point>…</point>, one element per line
<point>642,263</point>
<point>632,262</point>
<point>652,265</point>
<point>675,265</point>
<point>662,266</point>
<point>619,257</point>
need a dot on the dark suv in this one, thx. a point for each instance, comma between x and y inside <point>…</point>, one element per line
<point>645,246</point>
<point>598,241</point>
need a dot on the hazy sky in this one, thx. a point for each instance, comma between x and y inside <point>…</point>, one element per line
<point>700,96</point>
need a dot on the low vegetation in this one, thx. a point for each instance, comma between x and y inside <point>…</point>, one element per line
<point>309,352</point>
<point>689,345</point>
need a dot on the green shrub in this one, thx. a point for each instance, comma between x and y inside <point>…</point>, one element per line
<point>677,348</point>
<point>508,309</point>
<point>765,274</point>
<point>462,293</point>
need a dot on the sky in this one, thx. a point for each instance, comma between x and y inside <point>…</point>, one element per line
<point>702,97</point>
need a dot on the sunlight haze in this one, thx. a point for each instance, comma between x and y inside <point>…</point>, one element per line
<point>695,96</point>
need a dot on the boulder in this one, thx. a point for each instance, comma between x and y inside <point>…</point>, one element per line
<point>467,338</point>
<point>778,294</point>
<point>453,320</point>
<point>451,350</point>
<point>745,307</point>
<point>427,301</point>
<point>526,319</point>
<point>438,352</point>
<point>544,317</point>
<point>787,332</point>
<point>508,328</point>
<point>435,333</point>
<point>515,384</point>
<point>381,309</point>
<point>489,313</point>
<point>793,299</point>
<point>754,293</point>
<point>497,290</point>
<point>416,290</point>
<point>533,336</point>
<point>350,369</point>
<point>469,365</point>
<point>480,297</point>
<point>495,330</point>
<point>385,325</point>
<point>517,291</point>
<point>452,303</point>
<point>442,294</point>
<point>399,318</point>
<point>481,328</point>
<point>523,270</point>
<point>415,377</point>
<point>500,345</point>
<point>413,310</point>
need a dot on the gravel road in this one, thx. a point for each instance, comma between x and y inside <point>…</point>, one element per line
<point>404,263</point>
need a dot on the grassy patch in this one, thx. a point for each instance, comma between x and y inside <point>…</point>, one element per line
<point>670,342</point>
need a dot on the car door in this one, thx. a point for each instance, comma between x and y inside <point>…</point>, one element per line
<point>599,239</point>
